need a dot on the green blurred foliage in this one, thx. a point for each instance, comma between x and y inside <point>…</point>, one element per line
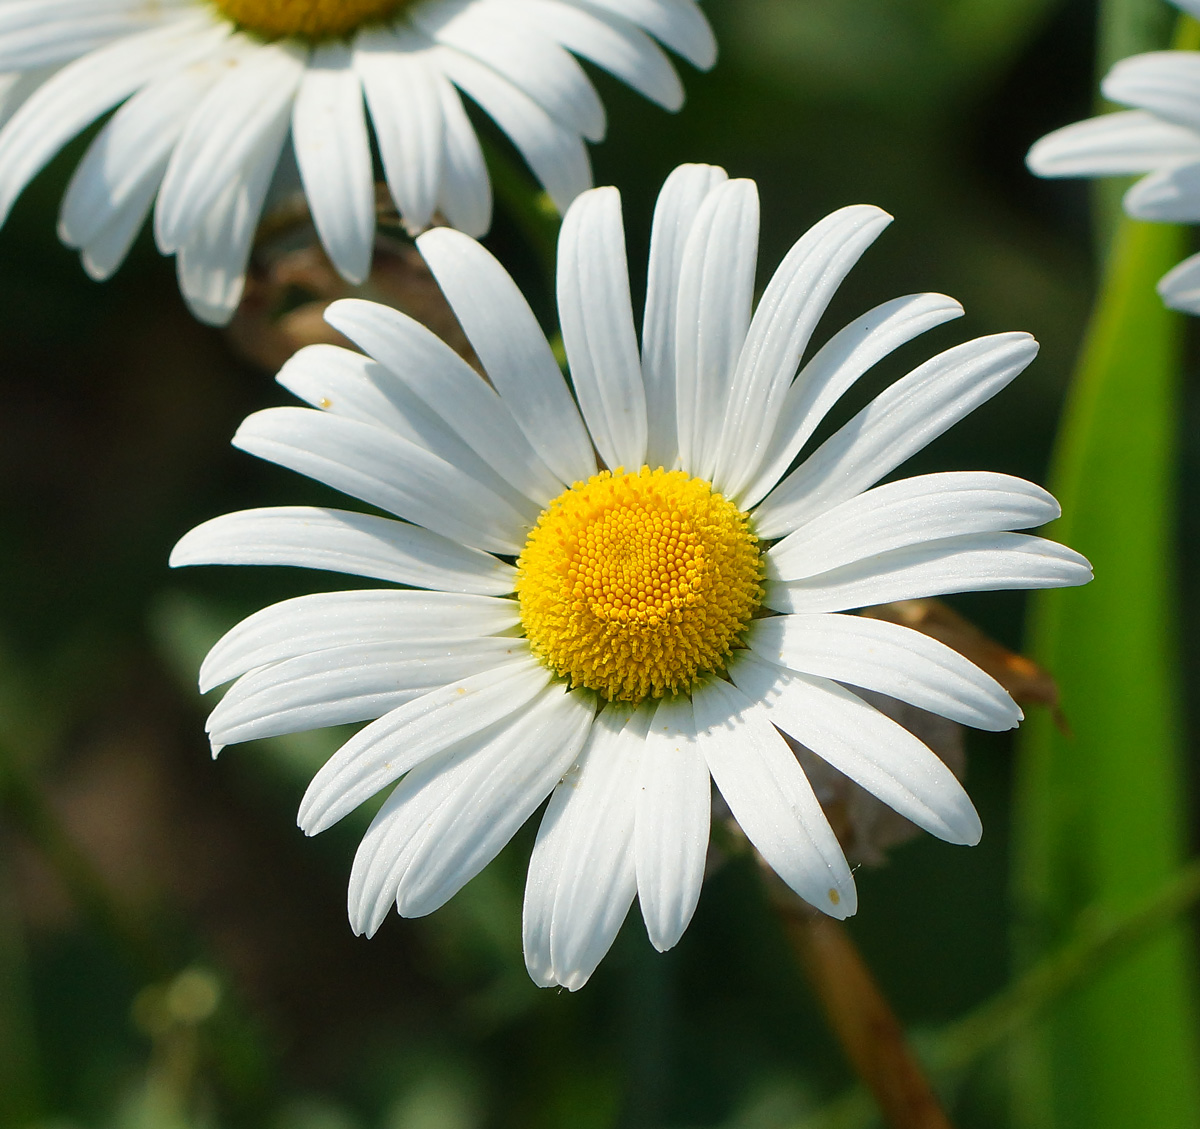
<point>114,441</point>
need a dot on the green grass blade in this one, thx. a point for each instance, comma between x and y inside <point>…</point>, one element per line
<point>1098,817</point>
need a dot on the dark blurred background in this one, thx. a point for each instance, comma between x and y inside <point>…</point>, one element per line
<point>127,857</point>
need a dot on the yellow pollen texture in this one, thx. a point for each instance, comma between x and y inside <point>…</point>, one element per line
<point>308,19</point>
<point>635,584</point>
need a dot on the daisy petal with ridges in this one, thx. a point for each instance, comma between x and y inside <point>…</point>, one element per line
<point>207,93</point>
<point>621,638</point>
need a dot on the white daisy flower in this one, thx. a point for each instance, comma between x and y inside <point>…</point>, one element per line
<point>1159,136</point>
<point>210,90</point>
<point>613,596</point>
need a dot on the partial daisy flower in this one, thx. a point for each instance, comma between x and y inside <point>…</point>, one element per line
<point>211,90</point>
<point>614,596</point>
<point>1159,136</point>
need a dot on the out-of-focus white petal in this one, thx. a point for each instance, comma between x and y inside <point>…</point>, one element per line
<point>87,88</point>
<point>245,114</point>
<point>1179,288</point>
<point>1171,195</point>
<point>554,152</point>
<point>398,73</point>
<point>522,53</point>
<point>607,40</point>
<point>679,24</point>
<point>1129,141</point>
<point>465,197</point>
<point>1166,83</point>
<point>333,152</point>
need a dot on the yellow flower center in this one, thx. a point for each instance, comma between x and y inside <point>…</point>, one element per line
<point>635,584</point>
<point>308,19</point>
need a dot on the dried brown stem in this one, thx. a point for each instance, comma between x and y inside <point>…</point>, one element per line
<point>865,1025</point>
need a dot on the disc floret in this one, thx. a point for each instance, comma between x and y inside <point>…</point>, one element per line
<point>635,584</point>
<point>307,19</point>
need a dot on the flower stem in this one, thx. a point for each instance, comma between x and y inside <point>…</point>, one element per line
<point>863,1021</point>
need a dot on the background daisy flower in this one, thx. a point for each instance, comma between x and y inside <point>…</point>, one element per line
<point>1159,136</point>
<point>209,94</point>
<point>680,592</point>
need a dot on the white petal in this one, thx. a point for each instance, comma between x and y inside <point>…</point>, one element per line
<point>355,387</point>
<point>596,314</point>
<point>340,541</point>
<point>345,684</point>
<point>770,797</point>
<point>246,113</point>
<point>389,747</point>
<point>450,388</point>
<point>465,197</point>
<point>846,356</point>
<point>509,342</point>
<point>130,153</point>
<point>521,52</point>
<point>398,77</point>
<point>978,562</point>
<point>1167,83</point>
<point>325,620</point>
<point>788,312</point>
<point>670,840</point>
<point>1180,286</point>
<point>398,830</point>
<point>675,212</point>
<point>1131,141</point>
<point>716,288</point>
<point>16,87</point>
<point>418,819</point>
<point>40,33</point>
<point>1169,196</point>
<point>581,876</point>
<point>522,764</point>
<point>85,89</point>
<point>888,658</point>
<point>211,263</point>
<point>385,470</point>
<point>864,744</point>
<point>610,42</point>
<point>896,424</point>
<point>555,153</point>
<point>679,24</point>
<point>333,152</point>
<point>928,507</point>
<point>105,251</point>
